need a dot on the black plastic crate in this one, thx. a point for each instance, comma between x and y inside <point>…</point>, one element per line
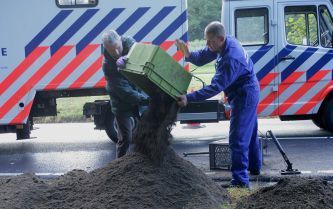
<point>219,155</point>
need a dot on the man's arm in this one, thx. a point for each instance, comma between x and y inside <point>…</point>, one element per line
<point>125,91</point>
<point>225,75</point>
<point>201,57</point>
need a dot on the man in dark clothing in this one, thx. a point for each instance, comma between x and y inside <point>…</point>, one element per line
<point>235,76</point>
<point>125,96</point>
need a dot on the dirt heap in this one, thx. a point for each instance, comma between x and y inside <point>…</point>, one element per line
<point>132,181</point>
<point>292,193</point>
<point>153,176</point>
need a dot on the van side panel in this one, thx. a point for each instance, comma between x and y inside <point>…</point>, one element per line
<point>294,79</point>
<point>52,48</point>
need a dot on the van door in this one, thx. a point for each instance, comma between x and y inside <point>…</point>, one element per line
<point>253,28</point>
<point>304,55</point>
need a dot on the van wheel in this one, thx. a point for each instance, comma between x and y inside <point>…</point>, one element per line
<point>23,133</point>
<point>111,128</point>
<point>317,120</point>
<point>328,116</point>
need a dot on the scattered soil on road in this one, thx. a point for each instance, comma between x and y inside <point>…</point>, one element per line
<point>291,193</point>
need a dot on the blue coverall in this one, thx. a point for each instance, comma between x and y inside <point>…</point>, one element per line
<point>235,76</point>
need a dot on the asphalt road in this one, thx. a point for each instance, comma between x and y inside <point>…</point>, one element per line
<point>55,149</point>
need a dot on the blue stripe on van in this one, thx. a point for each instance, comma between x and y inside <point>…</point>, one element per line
<point>184,37</point>
<point>105,22</point>
<point>83,19</point>
<point>297,62</point>
<point>132,20</point>
<point>46,31</point>
<point>260,53</point>
<point>170,29</point>
<point>273,62</point>
<point>152,23</point>
<point>319,64</point>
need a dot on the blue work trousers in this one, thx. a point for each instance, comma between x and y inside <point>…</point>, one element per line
<point>243,138</point>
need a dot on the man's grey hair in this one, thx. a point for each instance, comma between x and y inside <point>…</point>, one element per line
<point>215,29</point>
<point>110,37</point>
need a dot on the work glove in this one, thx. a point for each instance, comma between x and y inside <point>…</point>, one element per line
<point>182,100</point>
<point>182,47</point>
<point>121,62</point>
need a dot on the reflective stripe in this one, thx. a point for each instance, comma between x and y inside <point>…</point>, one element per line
<point>46,31</point>
<point>92,69</point>
<point>139,36</point>
<point>170,29</point>
<point>21,68</point>
<point>131,20</point>
<point>105,22</point>
<point>71,67</point>
<point>75,27</point>
<point>319,64</point>
<point>301,91</point>
<point>297,62</point>
<point>26,87</point>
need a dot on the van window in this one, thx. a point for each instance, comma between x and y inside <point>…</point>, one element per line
<point>76,3</point>
<point>326,26</point>
<point>301,25</point>
<point>251,26</point>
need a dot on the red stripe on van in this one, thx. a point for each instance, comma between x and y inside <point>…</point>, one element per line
<point>21,68</point>
<point>272,96</point>
<point>313,101</point>
<point>178,56</point>
<point>301,91</point>
<point>70,68</point>
<point>92,69</point>
<point>101,83</point>
<point>166,45</point>
<point>267,80</point>
<point>28,85</point>
<point>20,118</point>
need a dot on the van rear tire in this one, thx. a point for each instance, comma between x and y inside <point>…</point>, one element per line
<point>328,116</point>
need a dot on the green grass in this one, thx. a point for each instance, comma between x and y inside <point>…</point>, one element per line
<point>70,110</point>
<point>236,194</point>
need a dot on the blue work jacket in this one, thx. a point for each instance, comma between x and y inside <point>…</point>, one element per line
<point>234,70</point>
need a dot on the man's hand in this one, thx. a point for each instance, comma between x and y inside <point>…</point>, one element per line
<point>182,100</point>
<point>121,62</point>
<point>182,47</point>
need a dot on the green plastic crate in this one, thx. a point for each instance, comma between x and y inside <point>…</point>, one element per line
<point>152,69</point>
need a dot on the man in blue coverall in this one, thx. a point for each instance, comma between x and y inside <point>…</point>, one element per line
<point>235,76</point>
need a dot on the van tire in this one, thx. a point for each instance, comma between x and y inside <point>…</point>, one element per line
<point>111,126</point>
<point>23,133</point>
<point>328,116</point>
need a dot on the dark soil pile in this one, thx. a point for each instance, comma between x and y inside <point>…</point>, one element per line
<point>154,176</point>
<point>292,193</point>
<point>133,181</point>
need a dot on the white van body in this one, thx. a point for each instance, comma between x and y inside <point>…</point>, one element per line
<point>51,49</point>
<point>290,44</point>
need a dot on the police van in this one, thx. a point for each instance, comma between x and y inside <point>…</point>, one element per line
<point>52,49</point>
<point>290,44</point>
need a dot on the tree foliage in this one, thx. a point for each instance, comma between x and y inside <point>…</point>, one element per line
<point>200,14</point>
